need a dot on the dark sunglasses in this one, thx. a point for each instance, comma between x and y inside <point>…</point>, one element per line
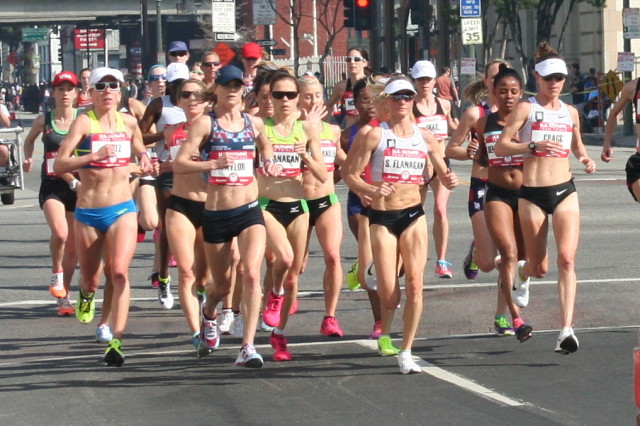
<point>187,94</point>
<point>158,77</point>
<point>402,97</point>
<point>114,86</point>
<point>179,53</point>
<point>556,77</point>
<point>211,64</point>
<point>281,95</point>
<point>354,59</point>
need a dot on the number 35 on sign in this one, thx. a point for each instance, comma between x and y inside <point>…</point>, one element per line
<point>471,30</point>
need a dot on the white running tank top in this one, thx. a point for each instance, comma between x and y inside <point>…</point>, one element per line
<point>171,115</point>
<point>399,160</point>
<point>544,124</point>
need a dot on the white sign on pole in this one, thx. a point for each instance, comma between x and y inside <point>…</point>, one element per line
<point>263,12</point>
<point>471,30</point>
<point>631,22</point>
<point>468,66</point>
<point>223,16</point>
<point>626,61</point>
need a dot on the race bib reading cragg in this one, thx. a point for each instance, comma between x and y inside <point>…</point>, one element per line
<point>403,165</point>
<point>239,174</point>
<point>121,145</point>
<point>556,132</point>
<point>490,139</point>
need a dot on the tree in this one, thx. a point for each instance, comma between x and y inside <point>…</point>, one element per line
<point>332,21</point>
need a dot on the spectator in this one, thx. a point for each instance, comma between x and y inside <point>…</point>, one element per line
<point>576,84</point>
<point>178,52</point>
<point>446,90</point>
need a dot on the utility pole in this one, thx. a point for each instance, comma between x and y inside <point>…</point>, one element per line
<point>159,32</point>
<point>628,111</point>
<point>146,47</point>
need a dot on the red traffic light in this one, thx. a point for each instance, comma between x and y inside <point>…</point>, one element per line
<point>363,3</point>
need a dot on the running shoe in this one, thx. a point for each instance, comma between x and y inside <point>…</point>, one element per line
<point>330,327</point>
<point>262,326</point>
<point>113,356</point>
<point>141,234</point>
<point>567,341</point>
<point>103,333</point>
<point>294,307</point>
<point>385,347</point>
<point>164,293</point>
<point>523,333</point>
<point>65,307</point>
<point>370,277</point>
<point>226,321</point>
<point>352,277</point>
<point>520,290</point>
<point>237,328</point>
<point>377,330</point>
<point>442,269</point>
<point>271,313</point>
<point>156,235</point>
<point>407,364</point>
<point>155,279</point>
<point>248,357</point>
<point>195,340</point>
<point>497,261</point>
<point>57,286</point>
<point>469,266</point>
<point>172,262</point>
<point>85,308</point>
<point>502,327</point>
<point>279,345</point>
<point>209,335</point>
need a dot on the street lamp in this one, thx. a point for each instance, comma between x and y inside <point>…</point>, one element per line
<point>159,49</point>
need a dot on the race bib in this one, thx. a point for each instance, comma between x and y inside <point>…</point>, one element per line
<point>436,123</point>
<point>329,150</point>
<point>121,144</point>
<point>403,165</point>
<point>286,160</point>
<point>490,139</point>
<point>50,158</point>
<point>557,132</point>
<point>239,174</point>
<point>349,103</point>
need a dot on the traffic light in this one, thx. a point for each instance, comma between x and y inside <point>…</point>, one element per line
<point>363,15</point>
<point>349,13</point>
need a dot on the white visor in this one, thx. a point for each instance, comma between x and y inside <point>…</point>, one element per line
<point>398,86</point>
<point>551,66</point>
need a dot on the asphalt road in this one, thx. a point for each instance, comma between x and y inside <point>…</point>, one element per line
<point>51,369</point>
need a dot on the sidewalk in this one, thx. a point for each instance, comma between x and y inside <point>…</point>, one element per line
<point>597,139</point>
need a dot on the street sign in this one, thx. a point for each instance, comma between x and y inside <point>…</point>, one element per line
<point>223,17</point>
<point>279,52</point>
<point>92,38</point>
<point>470,9</point>
<point>611,85</point>
<point>471,30</point>
<point>631,22</point>
<point>35,34</point>
<point>263,12</point>
<point>468,66</point>
<point>626,61</point>
<point>265,43</point>
<point>226,37</point>
<point>225,52</point>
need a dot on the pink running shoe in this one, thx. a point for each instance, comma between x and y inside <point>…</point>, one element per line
<point>271,313</point>
<point>377,330</point>
<point>331,328</point>
<point>279,345</point>
<point>172,262</point>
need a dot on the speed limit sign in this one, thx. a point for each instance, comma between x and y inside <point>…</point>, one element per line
<point>471,30</point>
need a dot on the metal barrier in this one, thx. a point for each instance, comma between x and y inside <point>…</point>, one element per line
<point>14,172</point>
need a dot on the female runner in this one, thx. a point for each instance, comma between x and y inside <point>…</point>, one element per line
<point>357,60</point>
<point>546,130</point>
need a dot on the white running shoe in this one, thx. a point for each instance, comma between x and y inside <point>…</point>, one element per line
<point>57,285</point>
<point>370,276</point>
<point>237,328</point>
<point>164,294</point>
<point>520,290</point>
<point>225,321</point>
<point>248,357</point>
<point>103,333</point>
<point>407,364</point>
<point>263,326</point>
<point>567,341</point>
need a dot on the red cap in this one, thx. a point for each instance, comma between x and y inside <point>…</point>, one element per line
<point>251,50</point>
<point>63,76</point>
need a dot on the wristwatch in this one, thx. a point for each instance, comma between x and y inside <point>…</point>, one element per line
<point>532,146</point>
<point>74,184</point>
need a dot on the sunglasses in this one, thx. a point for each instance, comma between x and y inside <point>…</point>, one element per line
<point>354,59</point>
<point>158,77</point>
<point>211,64</point>
<point>187,94</point>
<point>180,53</point>
<point>114,86</point>
<point>556,77</point>
<point>402,97</point>
<point>198,72</point>
<point>281,95</point>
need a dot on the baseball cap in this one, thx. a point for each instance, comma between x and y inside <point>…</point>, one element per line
<point>398,86</point>
<point>228,73</point>
<point>177,71</point>
<point>423,69</point>
<point>551,66</point>
<point>178,46</point>
<point>99,73</point>
<point>63,76</point>
<point>251,50</point>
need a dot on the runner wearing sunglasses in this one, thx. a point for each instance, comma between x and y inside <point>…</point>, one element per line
<point>100,145</point>
<point>210,65</point>
<point>546,130</point>
<point>357,60</point>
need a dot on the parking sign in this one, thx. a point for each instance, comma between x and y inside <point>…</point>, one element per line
<point>470,9</point>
